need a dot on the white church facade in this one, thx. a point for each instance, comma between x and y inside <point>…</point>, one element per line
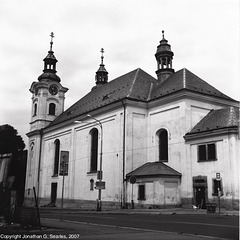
<point>136,139</point>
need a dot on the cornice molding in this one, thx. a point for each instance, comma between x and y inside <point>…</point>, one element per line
<point>211,133</point>
<point>188,94</point>
<point>34,133</point>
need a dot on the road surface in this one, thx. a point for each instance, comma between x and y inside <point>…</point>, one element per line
<point>206,225</point>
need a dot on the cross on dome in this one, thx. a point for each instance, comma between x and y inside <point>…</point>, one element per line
<point>51,43</point>
<point>102,51</point>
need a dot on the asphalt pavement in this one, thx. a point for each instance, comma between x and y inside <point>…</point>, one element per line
<point>70,229</point>
<point>56,229</point>
<point>100,231</point>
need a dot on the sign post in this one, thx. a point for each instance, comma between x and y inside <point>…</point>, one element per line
<point>218,178</point>
<point>64,159</point>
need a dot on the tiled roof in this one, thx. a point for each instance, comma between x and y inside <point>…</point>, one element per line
<point>134,85</point>
<point>154,169</point>
<point>184,79</point>
<point>217,119</point>
<point>137,85</point>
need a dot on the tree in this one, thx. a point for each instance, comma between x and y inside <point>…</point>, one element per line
<point>10,141</point>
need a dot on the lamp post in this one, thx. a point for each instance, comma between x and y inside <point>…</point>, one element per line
<point>100,172</point>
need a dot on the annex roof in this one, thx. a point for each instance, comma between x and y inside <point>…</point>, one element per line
<point>151,169</point>
<point>217,119</point>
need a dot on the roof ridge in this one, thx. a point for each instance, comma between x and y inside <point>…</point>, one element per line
<point>184,77</point>
<point>133,82</point>
<point>232,117</point>
<point>150,91</point>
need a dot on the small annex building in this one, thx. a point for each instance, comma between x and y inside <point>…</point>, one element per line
<point>151,142</point>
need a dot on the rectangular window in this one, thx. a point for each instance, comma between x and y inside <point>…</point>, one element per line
<point>207,152</point>
<point>202,152</point>
<point>141,192</point>
<point>211,151</point>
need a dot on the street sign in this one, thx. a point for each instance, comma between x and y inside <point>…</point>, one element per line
<point>218,177</point>
<point>100,185</point>
<point>64,159</point>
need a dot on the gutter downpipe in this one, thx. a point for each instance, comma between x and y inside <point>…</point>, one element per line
<point>124,151</point>
<point>39,164</point>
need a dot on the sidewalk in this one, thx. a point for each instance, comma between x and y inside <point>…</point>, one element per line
<point>169,211</point>
<point>172,211</point>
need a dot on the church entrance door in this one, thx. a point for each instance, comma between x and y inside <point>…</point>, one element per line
<point>200,197</point>
<point>53,193</point>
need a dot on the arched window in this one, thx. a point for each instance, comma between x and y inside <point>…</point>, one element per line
<point>35,110</point>
<point>52,109</point>
<point>91,185</point>
<point>56,157</point>
<point>94,150</point>
<point>162,136</point>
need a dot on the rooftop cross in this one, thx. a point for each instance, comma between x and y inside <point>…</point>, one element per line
<point>51,43</point>
<point>163,34</point>
<point>102,51</point>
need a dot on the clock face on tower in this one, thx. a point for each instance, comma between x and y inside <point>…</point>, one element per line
<point>53,89</point>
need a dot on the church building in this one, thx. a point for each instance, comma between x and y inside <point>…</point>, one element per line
<point>135,141</point>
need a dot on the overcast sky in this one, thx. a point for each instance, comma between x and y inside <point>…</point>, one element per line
<point>204,35</point>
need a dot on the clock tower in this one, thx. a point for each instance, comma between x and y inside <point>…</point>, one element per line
<point>47,94</point>
<point>47,103</point>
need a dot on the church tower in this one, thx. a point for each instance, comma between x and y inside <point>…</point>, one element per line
<point>48,97</point>
<point>47,94</point>
<point>164,57</point>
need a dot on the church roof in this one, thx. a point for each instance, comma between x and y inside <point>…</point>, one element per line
<point>133,85</point>
<point>154,169</point>
<point>217,119</point>
<point>140,86</point>
<point>184,79</point>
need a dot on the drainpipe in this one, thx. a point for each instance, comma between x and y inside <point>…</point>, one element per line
<point>124,143</point>
<point>39,164</point>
